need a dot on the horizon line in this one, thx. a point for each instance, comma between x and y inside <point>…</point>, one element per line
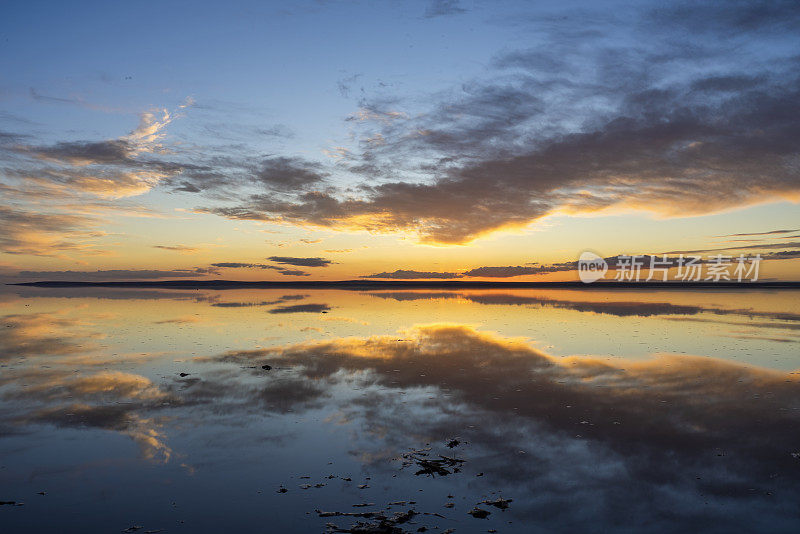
<point>389,284</point>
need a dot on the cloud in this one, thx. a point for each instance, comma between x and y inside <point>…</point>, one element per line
<point>617,308</point>
<point>782,255</point>
<point>178,248</point>
<point>42,335</point>
<point>661,153</point>
<point>771,232</point>
<point>522,408</point>
<point>503,272</point>
<point>238,265</point>
<point>729,21</point>
<point>293,272</point>
<point>302,308</point>
<point>280,270</point>
<point>291,174</point>
<point>50,391</point>
<point>284,298</point>
<point>80,153</point>
<point>276,175</point>
<point>44,233</point>
<point>344,85</point>
<point>188,319</point>
<point>412,275</point>
<point>73,101</point>
<point>112,168</point>
<point>598,114</point>
<point>123,419</point>
<point>581,124</point>
<point>301,262</point>
<point>145,138</point>
<point>795,244</point>
<point>443,8</point>
<point>668,259</point>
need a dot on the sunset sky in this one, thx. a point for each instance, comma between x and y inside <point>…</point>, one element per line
<point>331,140</point>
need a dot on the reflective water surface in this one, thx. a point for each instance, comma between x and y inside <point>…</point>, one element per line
<point>399,411</point>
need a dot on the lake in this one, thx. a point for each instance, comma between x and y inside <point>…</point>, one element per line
<point>399,411</point>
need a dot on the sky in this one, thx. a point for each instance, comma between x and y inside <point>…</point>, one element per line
<point>437,139</point>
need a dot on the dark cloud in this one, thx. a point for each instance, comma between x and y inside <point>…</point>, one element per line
<point>289,174</point>
<point>280,270</point>
<point>236,174</point>
<point>645,260</point>
<point>726,83</point>
<point>666,151</point>
<point>293,272</point>
<point>412,275</point>
<point>302,308</point>
<point>729,20</point>
<point>8,138</point>
<point>237,265</point>
<point>114,152</point>
<point>443,8</point>
<point>504,272</point>
<point>782,255</point>
<point>186,187</point>
<point>579,124</point>
<point>301,262</point>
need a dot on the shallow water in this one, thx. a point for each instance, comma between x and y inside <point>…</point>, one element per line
<point>591,411</point>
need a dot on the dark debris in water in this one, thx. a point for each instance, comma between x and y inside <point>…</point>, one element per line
<point>431,465</point>
<point>479,513</point>
<point>382,521</point>
<point>379,524</point>
<point>498,503</point>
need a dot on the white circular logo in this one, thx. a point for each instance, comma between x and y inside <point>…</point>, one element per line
<point>591,267</point>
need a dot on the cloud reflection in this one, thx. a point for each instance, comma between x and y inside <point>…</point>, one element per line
<point>677,428</point>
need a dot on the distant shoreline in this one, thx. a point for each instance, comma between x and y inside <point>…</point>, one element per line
<point>406,284</point>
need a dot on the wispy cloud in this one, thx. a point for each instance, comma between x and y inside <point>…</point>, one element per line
<point>178,248</point>
<point>768,233</point>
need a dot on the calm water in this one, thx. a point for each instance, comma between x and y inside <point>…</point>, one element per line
<point>589,411</point>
